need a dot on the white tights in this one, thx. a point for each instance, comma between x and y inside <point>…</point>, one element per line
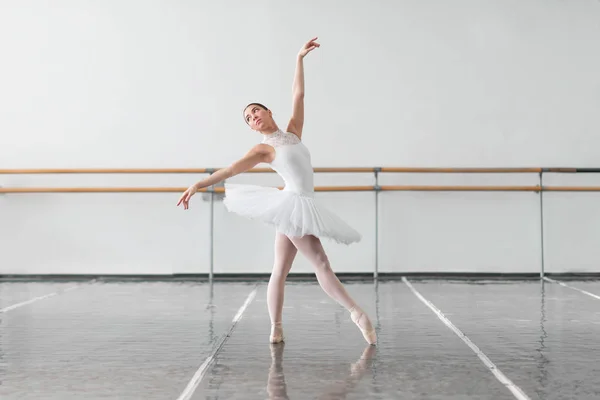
<point>310,246</point>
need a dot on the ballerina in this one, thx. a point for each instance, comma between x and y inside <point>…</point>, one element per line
<point>299,220</point>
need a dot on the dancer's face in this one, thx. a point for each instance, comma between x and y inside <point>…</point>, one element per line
<point>257,117</point>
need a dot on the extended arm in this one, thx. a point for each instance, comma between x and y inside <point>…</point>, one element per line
<point>297,120</point>
<point>258,154</point>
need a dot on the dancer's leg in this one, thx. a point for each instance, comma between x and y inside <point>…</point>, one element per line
<point>311,247</point>
<point>285,252</point>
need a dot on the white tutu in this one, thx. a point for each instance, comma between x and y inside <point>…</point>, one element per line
<point>291,213</point>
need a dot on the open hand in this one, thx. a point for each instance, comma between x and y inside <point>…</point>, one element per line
<point>186,196</point>
<point>308,47</point>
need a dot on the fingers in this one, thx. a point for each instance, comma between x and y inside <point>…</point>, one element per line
<point>309,46</point>
<point>185,198</point>
<point>312,44</point>
<point>307,50</point>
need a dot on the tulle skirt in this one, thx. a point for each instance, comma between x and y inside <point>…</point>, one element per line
<point>291,213</point>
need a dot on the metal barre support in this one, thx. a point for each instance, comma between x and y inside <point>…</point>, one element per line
<point>542,266</point>
<point>376,270</point>
<point>211,189</point>
<point>377,190</point>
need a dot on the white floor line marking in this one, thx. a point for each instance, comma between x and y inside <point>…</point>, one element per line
<point>516,391</point>
<point>24,303</point>
<point>197,378</point>
<point>572,287</point>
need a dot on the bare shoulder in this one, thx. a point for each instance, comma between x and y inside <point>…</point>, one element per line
<point>265,151</point>
<point>262,148</point>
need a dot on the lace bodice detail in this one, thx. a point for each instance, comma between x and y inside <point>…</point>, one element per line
<point>292,162</point>
<point>280,138</point>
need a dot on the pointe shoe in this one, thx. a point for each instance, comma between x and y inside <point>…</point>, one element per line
<point>276,333</point>
<point>368,332</point>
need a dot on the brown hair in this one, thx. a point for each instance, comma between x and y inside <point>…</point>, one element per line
<point>253,104</point>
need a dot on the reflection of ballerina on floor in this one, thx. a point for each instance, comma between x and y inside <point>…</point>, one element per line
<point>277,388</point>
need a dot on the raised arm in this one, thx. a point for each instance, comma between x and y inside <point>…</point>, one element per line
<point>297,120</point>
<point>258,154</point>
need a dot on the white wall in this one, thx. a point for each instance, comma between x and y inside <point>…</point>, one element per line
<point>410,83</point>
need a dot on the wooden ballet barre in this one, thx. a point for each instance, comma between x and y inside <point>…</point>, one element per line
<point>317,189</point>
<point>94,190</point>
<point>461,170</point>
<point>318,170</point>
<point>159,189</point>
<point>459,188</point>
<point>107,171</point>
<point>158,170</point>
<point>269,170</point>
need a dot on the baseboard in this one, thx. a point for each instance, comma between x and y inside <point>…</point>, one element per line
<point>298,277</point>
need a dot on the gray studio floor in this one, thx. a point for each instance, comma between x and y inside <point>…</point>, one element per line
<point>193,340</point>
